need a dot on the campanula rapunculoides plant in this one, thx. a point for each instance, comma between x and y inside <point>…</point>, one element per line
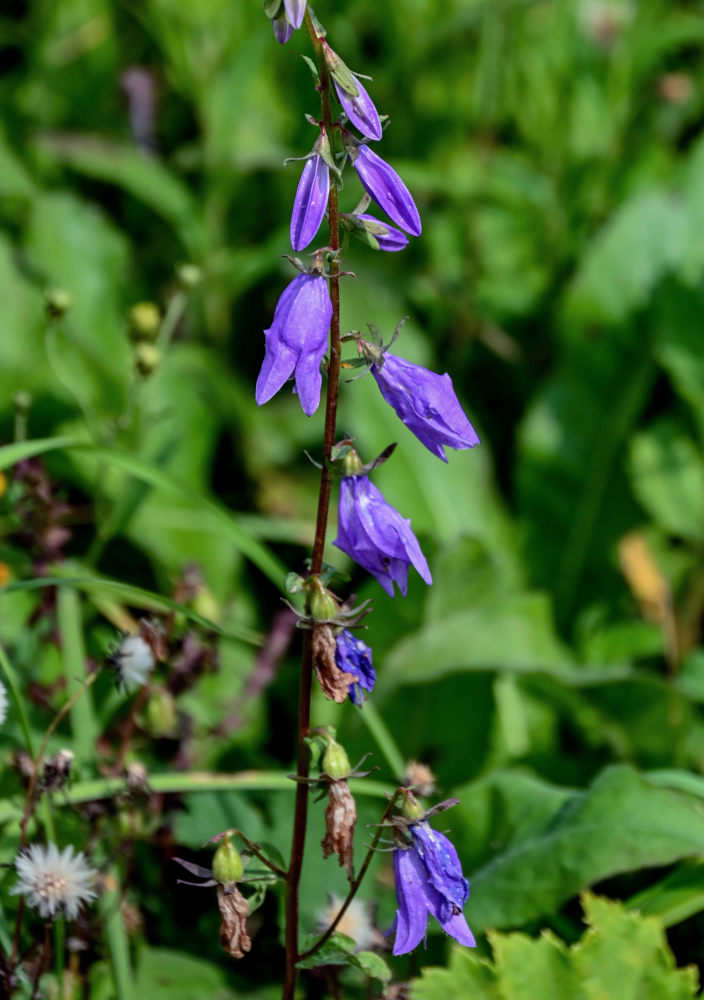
<point>304,344</point>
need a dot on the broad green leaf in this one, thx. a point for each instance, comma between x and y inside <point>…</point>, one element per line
<point>621,823</point>
<point>621,954</point>
<point>667,473</point>
<point>174,975</point>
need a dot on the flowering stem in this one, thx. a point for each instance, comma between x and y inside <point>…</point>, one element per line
<point>303,758</point>
<point>258,854</point>
<point>357,882</point>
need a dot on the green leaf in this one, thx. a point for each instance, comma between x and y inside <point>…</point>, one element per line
<point>11,454</point>
<point>174,975</point>
<point>621,823</point>
<point>667,473</point>
<point>622,955</point>
<point>373,965</point>
<point>337,950</point>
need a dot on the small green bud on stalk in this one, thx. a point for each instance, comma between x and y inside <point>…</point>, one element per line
<point>145,320</point>
<point>58,302</point>
<point>146,358</point>
<point>412,809</point>
<point>227,863</point>
<point>189,276</point>
<point>336,763</point>
<point>351,463</point>
<point>161,717</point>
<point>321,602</point>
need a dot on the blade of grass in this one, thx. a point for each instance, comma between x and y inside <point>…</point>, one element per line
<point>84,727</point>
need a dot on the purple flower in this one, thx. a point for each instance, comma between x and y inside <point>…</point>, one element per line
<point>310,202</point>
<point>354,657</point>
<point>282,29</point>
<point>360,109</point>
<point>375,535</point>
<point>387,189</point>
<point>372,231</point>
<point>296,341</point>
<point>295,11</point>
<point>426,403</point>
<point>429,879</point>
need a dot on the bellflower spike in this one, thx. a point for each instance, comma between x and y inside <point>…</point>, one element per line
<point>429,879</point>
<point>296,341</point>
<point>381,181</point>
<point>310,202</point>
<point>374,534</point>
<point>426,403</point>
<point>295,11</point>
<point>354,657</point>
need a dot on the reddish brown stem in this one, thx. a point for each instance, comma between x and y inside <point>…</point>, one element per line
<point>300,817</point>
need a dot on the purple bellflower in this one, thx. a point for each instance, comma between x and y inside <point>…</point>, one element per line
<point>282,28</point>
<point>374,534</point>
<point>354,657</point>
<point>296,341</point>
<point>310,202</point>
<point>426,403</point>
<point>352,95</point>
<point>429,879</point>
<point>379,235</point>
<point>381,181</point>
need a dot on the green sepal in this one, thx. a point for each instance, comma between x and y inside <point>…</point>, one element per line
<point>313,69</point>
<point>272,8</point>
<point>340,71</point>
<point>318,30</point>
<point>317,743</point>
<point>294,583</point>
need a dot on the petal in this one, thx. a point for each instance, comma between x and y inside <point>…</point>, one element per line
<point>277,367</point>
<point>310,202</point>
<point>360,110</point>
<point>391,240</point>
<point>295,11</point>
<point>443,865</point>
<point>412,913</point>
<point>387,189</point>
<point>458,928</point>
<point>282,29</point>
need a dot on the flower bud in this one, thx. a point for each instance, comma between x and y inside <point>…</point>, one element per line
<point>145,320</point>
<point>57,302</point>
<point>161,718</point>
<point>322,604</point>
<point>146,358</point>
<point>227,863</point>
<point>336,763</point>
<point>412,809</point>
<point>377,235</point>
<point>351,463</point>
<point>189,276</point>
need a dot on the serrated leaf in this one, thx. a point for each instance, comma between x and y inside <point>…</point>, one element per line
<point>373,965</point>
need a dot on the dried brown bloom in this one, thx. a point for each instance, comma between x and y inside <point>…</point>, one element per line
<point>334,682</point>
<point>419,777</point>
<point>56,771</point>
<point>233,910</point>
<point>340,818</point>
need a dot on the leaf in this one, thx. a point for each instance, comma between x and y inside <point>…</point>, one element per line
<point>515,634</point>
<point>621,823</point>
<point>622,954</point>
<point>337,950</point>
<point>174,975</point>
<point>667,474</point>
<point>11,454</point>
<point>373,965</point>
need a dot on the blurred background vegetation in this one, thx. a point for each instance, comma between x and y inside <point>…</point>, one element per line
<point>553,675</point>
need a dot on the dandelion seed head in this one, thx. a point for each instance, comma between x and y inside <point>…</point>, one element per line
<point>133,661</point>
<point>54,881</point>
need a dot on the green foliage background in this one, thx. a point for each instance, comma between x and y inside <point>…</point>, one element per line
<point>553,674</point>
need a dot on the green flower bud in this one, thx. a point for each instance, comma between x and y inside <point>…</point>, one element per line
<point>161,717</point>
<point>322,604</point>
<point>145,320</point>
<point>412,809</point>
<point>351,463</point>
<point>57,302</point>
<point>336,763</point>
<point>189,276</point>
<point>146,358</point>
<point>227,863</point>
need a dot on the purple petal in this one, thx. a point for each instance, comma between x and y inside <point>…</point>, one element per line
<point>458,928</point>
<point>412,913</point>
<point>282,29</point>
<point>296,341</point>
<point>443,866</point>
<point>310,202</point>
<point>355,657</point>
<point>295,11</point>
<point>387,189</point>
<point>426,403</point>
<point>360,110</point>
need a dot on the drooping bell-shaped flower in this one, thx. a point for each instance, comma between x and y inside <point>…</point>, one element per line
<point>352,95</point>
<point>376,234</point>
<point>374,534</point>
<point>429,880</point>
<point>311,196</point>
<point>296,341</point>
<point>381,181</point>
<point>282,28</point>
<point>426,403</point>
<point>354,657</point>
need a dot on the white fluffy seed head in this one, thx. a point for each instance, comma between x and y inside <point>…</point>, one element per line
<point>3,703</point>
<point>134,661</point>
<point>54,881</point>
<point>356,922</point>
